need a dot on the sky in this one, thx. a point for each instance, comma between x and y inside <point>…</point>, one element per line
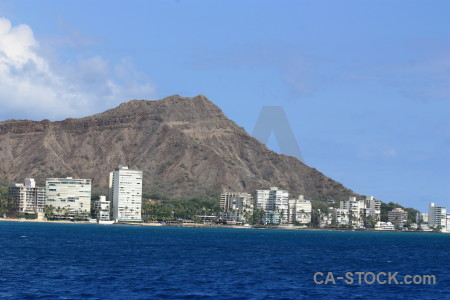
<point>365,85</point>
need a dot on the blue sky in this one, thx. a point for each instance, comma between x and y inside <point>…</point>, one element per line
<point>365,84</point>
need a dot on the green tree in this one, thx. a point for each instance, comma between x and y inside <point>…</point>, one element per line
<point>59,212</point>
<point>49,212</point>
<point>258,217</point>
<point>4,209</point>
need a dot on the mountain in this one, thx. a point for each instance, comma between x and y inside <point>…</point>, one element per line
<point>186,147</point>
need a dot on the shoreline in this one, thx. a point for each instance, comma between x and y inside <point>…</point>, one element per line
<point>45,221</point>
<point>199,225</point>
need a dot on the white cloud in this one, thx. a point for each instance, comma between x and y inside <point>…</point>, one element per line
<point>376,151</point>
<point>32,86</point>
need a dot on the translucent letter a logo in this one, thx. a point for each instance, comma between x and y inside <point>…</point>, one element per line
<point>273,119</point>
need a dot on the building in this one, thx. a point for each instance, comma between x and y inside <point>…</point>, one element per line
<point>299,211</point>
<point>125,192</point>
<point>30,199</point>
<point>338,216</point>
<point>384,226</point>
<point>236,207</point>
<point>448,222</point>
<point>275,204</point>
<point>424,227</point>
<point>69,196</point>
<point>103,208</point>
<point>373,208</point>
<point>352,205</point>
<point>437,217</point>
<point>355,210</point>
<point>413,226</point>
<point>398,217</point>
<point>421,218</point>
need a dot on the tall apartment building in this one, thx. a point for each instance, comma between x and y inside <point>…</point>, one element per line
<point>355,212</point>
<point>275,203</point>
<point>355,209</point>
<point>237,207</point>
<point>125,192</point>
<point>372,207</point>
<point>69,194</point>
<point>299,211</point>
<point>353,205</point>
<point>30,199</point>
<point>437,216</point>
<point>398,217</point>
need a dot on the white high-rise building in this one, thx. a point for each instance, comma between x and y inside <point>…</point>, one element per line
<point>355,208</point>
<point>30,198</point>
<point>373,207</point>
<point>236,206</point>
<point>356,212</point>
<point>125,191</point>
<point>275,203</point>
<point>353,205</point>
<point>299,211</point>
<point>437,217</point>
<point>68,196</point>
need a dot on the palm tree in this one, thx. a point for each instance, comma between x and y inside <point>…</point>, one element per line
<point>49,211</point>
<point>13,205</point>
<point>58,212</point>
<point>308,217</point>
<point>3,206</point>
<point>246,216</point>
<point>66,211</point>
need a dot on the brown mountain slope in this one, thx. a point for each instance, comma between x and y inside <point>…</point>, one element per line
<point>186,147</point>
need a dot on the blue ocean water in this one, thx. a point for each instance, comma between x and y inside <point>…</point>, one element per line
<point>83,261</point>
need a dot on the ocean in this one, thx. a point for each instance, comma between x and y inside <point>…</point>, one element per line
<point>90,261</point>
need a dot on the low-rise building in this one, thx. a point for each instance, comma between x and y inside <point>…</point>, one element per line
<point>384,226</point>
<point>30,198</point>
<point>103,208</point>
<point>413,226</point>
<point>424,227</point>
